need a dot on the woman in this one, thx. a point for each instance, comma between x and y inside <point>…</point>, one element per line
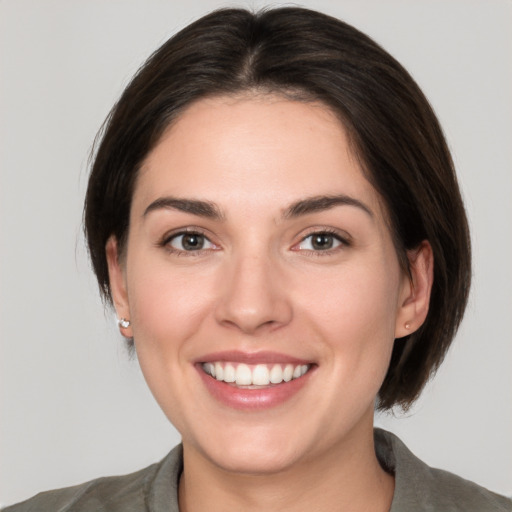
<point>273,213</point>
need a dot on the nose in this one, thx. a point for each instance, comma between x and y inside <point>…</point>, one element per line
<point>253,296</point>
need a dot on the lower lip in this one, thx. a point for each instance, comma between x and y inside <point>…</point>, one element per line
<point>253,399</point>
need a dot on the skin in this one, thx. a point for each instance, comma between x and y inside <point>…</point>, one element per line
<point>259,284</point>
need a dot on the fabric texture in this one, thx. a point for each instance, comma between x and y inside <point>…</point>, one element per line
<point>418,488</point>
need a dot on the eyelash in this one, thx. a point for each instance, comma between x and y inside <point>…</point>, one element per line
<point>343,242</point>
<point>168,238</point>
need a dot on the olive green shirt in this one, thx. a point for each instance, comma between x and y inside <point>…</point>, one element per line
<point>418,487</point>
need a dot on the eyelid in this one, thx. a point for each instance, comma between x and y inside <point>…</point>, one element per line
<point>166,239</point>
<point>184,230</point>
<point>343,238</point>
<point>182,235</point>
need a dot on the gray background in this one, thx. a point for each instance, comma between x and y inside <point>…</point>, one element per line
<point>73,406</point>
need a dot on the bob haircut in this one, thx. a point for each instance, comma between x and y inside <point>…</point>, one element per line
<point>306,56</point>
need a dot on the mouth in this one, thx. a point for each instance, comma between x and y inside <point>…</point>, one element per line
<point>254,381</point>
<point>254,376</point>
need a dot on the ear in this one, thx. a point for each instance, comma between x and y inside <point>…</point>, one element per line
<point>118,284</point>
<point>415,295</point>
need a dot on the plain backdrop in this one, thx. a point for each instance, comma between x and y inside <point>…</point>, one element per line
<point>73,405</point>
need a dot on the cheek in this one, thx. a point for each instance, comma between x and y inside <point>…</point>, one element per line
<point>166,305</point>
<point>360,299</point>
<point>167,309</point>
<point>354,313</point>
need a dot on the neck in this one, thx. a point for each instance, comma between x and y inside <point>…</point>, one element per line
<point>348,477</point>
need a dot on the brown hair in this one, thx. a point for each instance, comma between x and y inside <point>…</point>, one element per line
<point>311,57</point>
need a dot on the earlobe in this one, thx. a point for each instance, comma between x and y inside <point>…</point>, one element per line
<point>118,286</point>
<point>415,299</point>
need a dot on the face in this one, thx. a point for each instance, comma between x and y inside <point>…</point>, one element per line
<point>261,282</point>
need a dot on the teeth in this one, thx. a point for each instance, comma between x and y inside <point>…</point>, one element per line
<point>229,373</point>
<point>254,375</point>
<point>243,375</point>
<point>288,373</point>
<point>276,374</point>
<point>209,368</point>
<point>219,371</point>
<point>260,375</point>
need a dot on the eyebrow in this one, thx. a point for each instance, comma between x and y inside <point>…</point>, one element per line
<point>321,203</point>
<point>210,210</point>
<point>204,209</point>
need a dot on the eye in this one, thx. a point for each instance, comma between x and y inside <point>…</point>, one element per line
<point>321,241</point>
<point>189,242</point>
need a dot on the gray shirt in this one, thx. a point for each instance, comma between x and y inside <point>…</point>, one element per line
<point>418,487</point>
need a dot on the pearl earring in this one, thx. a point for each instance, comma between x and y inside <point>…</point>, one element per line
<point>124,323</point>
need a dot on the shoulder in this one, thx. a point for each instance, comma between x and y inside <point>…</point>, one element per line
<point>422,488</point>
<point>139,491</point>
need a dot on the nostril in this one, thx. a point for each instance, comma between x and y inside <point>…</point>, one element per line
<point>251,325</point>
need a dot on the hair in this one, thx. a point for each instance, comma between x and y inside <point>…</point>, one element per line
<point>306,56</point>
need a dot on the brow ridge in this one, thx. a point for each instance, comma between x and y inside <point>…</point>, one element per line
<point>198,207</point>
<point>320,203</point>
<point>301,207</point>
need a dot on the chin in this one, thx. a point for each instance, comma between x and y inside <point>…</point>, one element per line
<point>254,460</point>
<point>252,452</point>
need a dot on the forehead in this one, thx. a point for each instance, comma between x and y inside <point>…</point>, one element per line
<point>254,151</point>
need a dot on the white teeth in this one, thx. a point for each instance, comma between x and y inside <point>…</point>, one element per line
<point>209,368</point>
<point>219,371</point>
<point>288,373</point>
<point>260,375</point>
<point>243,375</point>
<point>229,373</point>
<point>254,375</point>
<point>276,374</point>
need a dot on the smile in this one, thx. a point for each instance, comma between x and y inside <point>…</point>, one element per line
<point>254,381</point>
<point>255,375</point>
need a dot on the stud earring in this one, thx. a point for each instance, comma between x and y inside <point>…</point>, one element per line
<point>407,325</point>
<point>122,322</point>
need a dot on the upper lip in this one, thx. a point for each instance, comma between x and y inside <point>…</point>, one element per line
<point>262,357</point>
